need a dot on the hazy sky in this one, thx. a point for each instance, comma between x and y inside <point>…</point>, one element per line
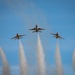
<point>18,16</point>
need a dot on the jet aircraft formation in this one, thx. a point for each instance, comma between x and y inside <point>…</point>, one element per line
<point>37,29</point>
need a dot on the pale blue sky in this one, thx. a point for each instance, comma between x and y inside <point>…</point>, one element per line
<point>18,16</point>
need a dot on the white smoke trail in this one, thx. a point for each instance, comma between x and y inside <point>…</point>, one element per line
<point>6,69</point>
<point>23,61</point>
<point>73,60</point>
<point>59,68</point>
<point>40,58</point>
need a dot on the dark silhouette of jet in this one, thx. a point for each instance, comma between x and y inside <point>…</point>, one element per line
<point>36,29</point>
<point>57,36</point>
<point>18,36</point>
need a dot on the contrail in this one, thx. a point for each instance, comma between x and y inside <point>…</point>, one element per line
<point>73,60</point>
<point>23,61</point>
<point>6,69</point>
<point>59,68</point>
<point>40,58</point>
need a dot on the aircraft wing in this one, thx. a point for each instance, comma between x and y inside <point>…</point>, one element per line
<point>61,37</point>
<point>22,35</point>
<point>32,29</point>
<point>52,33</point>
<point>14,37</point>
<point>41,29</point>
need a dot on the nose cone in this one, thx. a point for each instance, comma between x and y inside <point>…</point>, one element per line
<point>17,34</point>
<point>36,25</point>
<point>57,34</point>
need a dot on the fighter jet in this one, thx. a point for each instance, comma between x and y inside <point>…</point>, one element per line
<point>36,29</point>
<point>18,36</point>
<point>57,36</point>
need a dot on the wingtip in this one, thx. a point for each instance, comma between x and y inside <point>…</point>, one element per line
<point>50,32</point>
<point>10,38</point>
<point>30,29</point>
<point>62,38</point>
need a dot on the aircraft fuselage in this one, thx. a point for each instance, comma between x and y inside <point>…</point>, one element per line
<point>18,37</point>
<point>36,28</point>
